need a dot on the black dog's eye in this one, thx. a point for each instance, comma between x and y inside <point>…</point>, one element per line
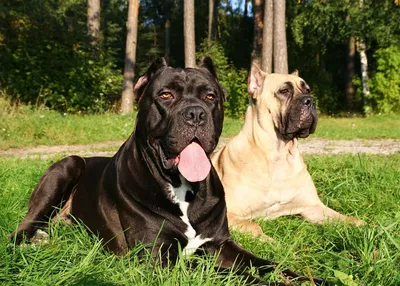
<point>210,96</point>
<point>166,95</point>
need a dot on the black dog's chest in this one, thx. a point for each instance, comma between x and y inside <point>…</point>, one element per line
<point>189,196</point>
<point>183,196</point>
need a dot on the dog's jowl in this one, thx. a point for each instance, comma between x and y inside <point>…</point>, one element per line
<point>160,188</point>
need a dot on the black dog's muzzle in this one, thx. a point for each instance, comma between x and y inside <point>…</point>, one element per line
<point>194,115</point>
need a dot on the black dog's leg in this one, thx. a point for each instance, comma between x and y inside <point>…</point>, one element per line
<point>54,189</point>
<point>232,255</point>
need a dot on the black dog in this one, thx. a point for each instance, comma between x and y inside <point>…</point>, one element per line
<point>160,186</point>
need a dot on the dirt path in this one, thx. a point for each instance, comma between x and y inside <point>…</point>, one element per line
<point>309,146</point>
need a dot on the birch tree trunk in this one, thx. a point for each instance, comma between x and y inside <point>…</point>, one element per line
<point>268,32</point>
<point>130,57</point>
<point>364,70</point>
<point>93,21</point>
<point>364,65</point>
<point>280,46</point>
<point>189,33</point>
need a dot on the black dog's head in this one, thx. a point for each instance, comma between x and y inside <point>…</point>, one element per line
<point>180,116</point>
<point>287,98</point>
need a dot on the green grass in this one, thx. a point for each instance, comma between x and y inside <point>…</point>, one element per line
<point>373,127</point>
<point>33,128</point>
<point>366,186</point>
<point>25,126</point>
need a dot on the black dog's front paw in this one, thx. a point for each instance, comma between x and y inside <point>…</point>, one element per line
<point>23,233</point>
<point>18,237</point>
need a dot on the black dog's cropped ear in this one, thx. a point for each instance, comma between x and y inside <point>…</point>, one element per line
<point>295,72</point>
<point>139,87</point>
<point>155,66</point>
<point>208,64</point>
<point>144,79</point>
<point>255,81</point>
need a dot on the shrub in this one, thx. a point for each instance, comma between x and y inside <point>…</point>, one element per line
<point>385,83</point>
<point>233,80</point>
<point>46,58</point>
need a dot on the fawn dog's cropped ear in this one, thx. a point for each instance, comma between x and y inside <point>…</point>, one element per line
<point>144,79</point>
<point>255,81</point>
<point>295,72</point>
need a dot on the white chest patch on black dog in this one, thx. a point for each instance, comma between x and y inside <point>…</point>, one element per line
<point>182,196</point>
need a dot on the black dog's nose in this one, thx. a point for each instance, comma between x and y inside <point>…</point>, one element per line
<point>309,101</point>
<point>194,115</point>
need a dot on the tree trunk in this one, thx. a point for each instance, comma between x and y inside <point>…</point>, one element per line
<point>280,46</point>
<point>350,74</point>
<point>130,57</point>
<point>167,27</point>
<point>364,70</point>
<point>268,31</point>
<point>189,34</point>
<point>93,21</point>
<point>258,32</point>
<point>212,19</point>
<point>245,9</point>
<point>364,65</point>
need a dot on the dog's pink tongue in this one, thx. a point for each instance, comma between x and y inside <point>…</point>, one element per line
<point>193,163</point>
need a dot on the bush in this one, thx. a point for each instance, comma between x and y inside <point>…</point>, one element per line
<point>83,84</point>
<point>385,83</point>
<point>233,80</point>
<point>46,58</point>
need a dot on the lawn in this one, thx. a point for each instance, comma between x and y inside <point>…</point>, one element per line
<point>366,186</point>
<point>372,127</point>
<point>23,127</point>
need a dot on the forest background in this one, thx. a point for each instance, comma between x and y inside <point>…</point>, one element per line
<point>52,55</point>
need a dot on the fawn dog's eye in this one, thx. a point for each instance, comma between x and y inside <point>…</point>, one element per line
<point>284,91</point>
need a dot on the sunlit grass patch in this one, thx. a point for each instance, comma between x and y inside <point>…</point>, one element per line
<point>28,127</point>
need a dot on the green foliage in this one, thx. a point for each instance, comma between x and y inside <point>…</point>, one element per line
<point>47,58</point>
<point>320,23</point>
<point>385,83</point>
<point>89,85</point>
<point>235,34</point>
<point>232,79</point>
<point>319,34</point>
<point>238,98</point>
<point>317,23</point>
